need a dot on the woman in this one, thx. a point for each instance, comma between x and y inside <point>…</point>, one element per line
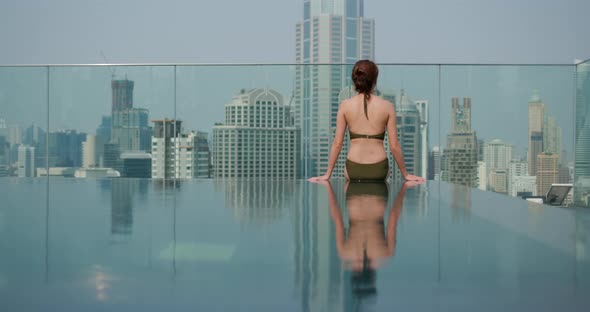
<point>367,117</point>
<point>368,242</point>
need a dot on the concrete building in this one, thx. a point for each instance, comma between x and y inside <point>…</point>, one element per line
<point>482,176</point>
<point>331,32</point>
<point>257,138</point>
<point>523,186</point>
<point>89,159</point>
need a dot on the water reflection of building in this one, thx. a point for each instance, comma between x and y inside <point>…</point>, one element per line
<point>124,192</point>
<point>317,265</point>
<point>460,202</point>
<point>257,201</point>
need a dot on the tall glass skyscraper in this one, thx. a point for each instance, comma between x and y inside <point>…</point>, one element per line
<point>332,32</point>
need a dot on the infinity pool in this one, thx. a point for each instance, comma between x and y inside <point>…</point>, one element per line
<point>283,245</point>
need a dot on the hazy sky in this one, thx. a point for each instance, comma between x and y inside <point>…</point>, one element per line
<point>262,31</point>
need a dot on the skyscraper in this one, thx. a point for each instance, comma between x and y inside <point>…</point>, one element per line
<point>547,172</point>
<point>537,116</point>
<point>257,138</point>
<point>461,152</point>
<point>409,134</point>
<point>332,32</point>
<point>434,164</point>
<point>422,106</point>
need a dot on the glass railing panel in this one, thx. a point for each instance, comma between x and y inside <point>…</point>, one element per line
<point>102,120</point>
<point>23,126</point>
<point>23,120</point>
<point>508,129</point>
<point>239,120</point>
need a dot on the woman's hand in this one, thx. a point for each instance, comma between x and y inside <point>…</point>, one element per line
<point>325,177</point>
<point>411,177</point>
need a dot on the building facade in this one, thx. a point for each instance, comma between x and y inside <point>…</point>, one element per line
<point>257,138</point>
<point>547,172</point>
<point>537,117</point>
<point>461,153</point>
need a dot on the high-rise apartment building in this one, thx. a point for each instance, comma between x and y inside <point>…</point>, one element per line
<point>537,121</point>
<point>26,161</point>
<point>461,152</point>
<point>257,138</point>
<point>131,130</point>
<point>332,32</point>
<point>552,137</point>
<point>89,152</point>
<point>547,172</point>
<point>497,155</point>
<point>517,168</point>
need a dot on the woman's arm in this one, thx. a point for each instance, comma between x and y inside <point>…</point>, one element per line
<point>336,217</point>
<point>336,146</point>
<point>394,214</point>
<point>396,148</point>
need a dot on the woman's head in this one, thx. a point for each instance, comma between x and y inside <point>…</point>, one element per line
<point>364,76</point>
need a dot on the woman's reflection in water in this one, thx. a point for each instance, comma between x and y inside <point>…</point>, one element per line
<point>368,243</point>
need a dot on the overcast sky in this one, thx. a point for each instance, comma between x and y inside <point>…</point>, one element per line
<point>262,31</point>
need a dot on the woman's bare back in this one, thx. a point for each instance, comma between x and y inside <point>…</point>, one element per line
<point>367,151</point>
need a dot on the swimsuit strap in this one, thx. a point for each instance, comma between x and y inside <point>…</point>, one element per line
<point>353,136</point>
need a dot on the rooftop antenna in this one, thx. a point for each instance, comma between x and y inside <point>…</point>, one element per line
<point>111,68</point>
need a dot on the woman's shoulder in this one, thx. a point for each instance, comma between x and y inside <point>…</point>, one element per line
<point>384,103</point>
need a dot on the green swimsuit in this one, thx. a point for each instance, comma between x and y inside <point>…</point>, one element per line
<point>375,171</point>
